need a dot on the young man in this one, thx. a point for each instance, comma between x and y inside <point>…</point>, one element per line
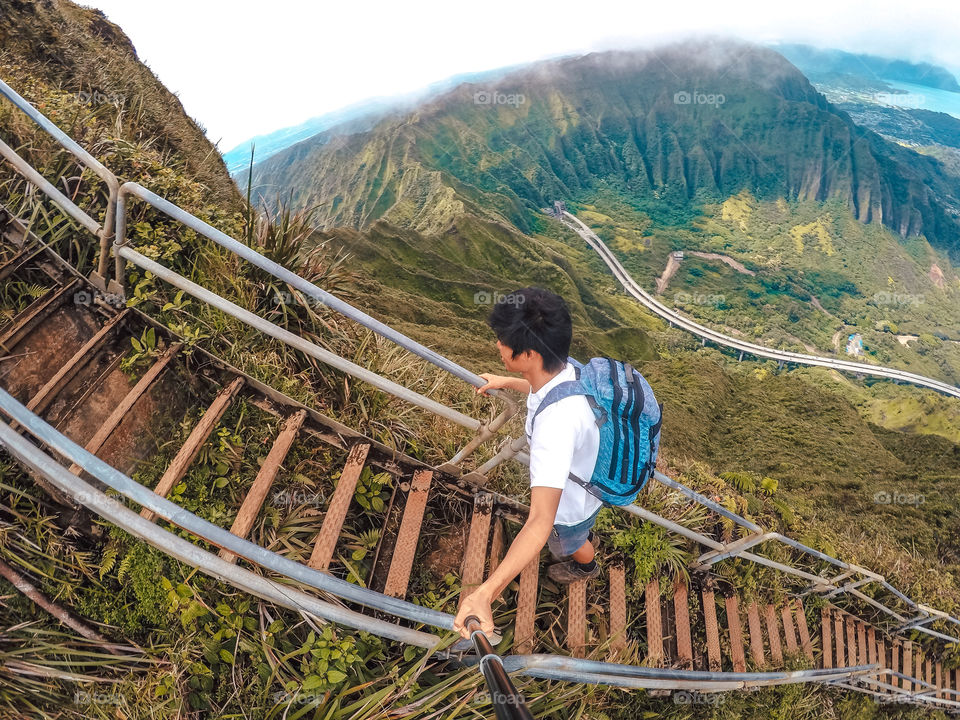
<point>533,331</point>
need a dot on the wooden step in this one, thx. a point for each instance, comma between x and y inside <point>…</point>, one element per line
<point>851,640</point>
<point>896,661</point>
<point>882,658</point>
<point>191,448</point>
<point>714,661</point>
<point>826,638</point>
<point>39,402</point>
<point>497,544</point>
<point>862,643</point>
<point>577,618</point>
<point>773,635</point>
<point>24,323</point>
<point>803,629</point>
<point>756,635</point>
<point>523,634</point>
<point>789,635</point>
<point>732,607</point>
<point>655,655</point>
<point>906,663</point>
<point>841,660</point>
<point>253,501</point>
<point>326,540</point>
<point>475,555</point>
<point>125,405</point>
<point>681,614</point>
<point>618,608</point>
<point>405,548</point>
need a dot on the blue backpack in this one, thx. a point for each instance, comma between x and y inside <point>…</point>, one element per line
<point>629,419</point>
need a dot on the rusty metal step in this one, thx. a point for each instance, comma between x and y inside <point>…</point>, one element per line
<point>577,618</point>
<point>709,606</point>
<point>826,638</point>
<point>735,629</point>
<point>191,447</point>
<point>253,501</point>
<point>326,541</point>
<point>654,620</point>
<point>45,395</point>
<point>841,657</point>
<point>475,555</point>
<point>756,635</point>
<point>788,632</point>
<point>138,390</point>
<point>405,548</point>
<point>681,615</point>
<point>851,640</point>
<point>524,641</point>
<point>773,635</point>
<point>800,616</point>
<point>618,608</point>
<point>34,314</point>
<point>497,544</point>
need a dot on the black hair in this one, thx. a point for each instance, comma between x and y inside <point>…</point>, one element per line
<point>534,319</point>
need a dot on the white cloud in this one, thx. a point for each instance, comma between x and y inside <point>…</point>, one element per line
<point>243,68</point>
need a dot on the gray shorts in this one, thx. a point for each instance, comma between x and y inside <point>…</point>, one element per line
<point>565,540</point>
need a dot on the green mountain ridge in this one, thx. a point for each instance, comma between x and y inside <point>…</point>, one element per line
<point>621,119</point>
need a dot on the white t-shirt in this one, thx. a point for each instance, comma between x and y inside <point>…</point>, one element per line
<point>564,439</point>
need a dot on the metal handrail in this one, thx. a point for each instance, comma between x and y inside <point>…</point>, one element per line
<point>293,340</point>
<point>739,548</point>
<point>185,551</point>
<point>550,666</point>
<point>255,553</point>
<point>122,251</point>
<point>104,231</point>
<point>159,505</point>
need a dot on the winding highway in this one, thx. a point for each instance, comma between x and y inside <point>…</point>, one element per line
<point>705,333</point>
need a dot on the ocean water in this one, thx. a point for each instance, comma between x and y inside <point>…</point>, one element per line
<point>922,98</point>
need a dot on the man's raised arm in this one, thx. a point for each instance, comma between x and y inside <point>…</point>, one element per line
<point>525,549</point>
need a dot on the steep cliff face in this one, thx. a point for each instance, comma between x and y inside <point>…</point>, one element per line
<point>675,126</point>
<point>83,68</point>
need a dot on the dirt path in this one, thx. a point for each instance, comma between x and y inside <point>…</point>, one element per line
<point>739,267</point>
<point>673,264</point>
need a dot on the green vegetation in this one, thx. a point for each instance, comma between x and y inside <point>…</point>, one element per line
<point>804,452</point>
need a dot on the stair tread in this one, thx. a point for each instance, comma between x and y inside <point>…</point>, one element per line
<point>404,551</point>
<point>326,540</point>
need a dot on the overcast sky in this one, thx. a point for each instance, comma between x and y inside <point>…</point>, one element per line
<point>245,68</point>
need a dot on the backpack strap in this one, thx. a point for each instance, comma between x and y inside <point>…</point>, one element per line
<point>654,431</point>
<point>565,390</point>
<point>589,487</point>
